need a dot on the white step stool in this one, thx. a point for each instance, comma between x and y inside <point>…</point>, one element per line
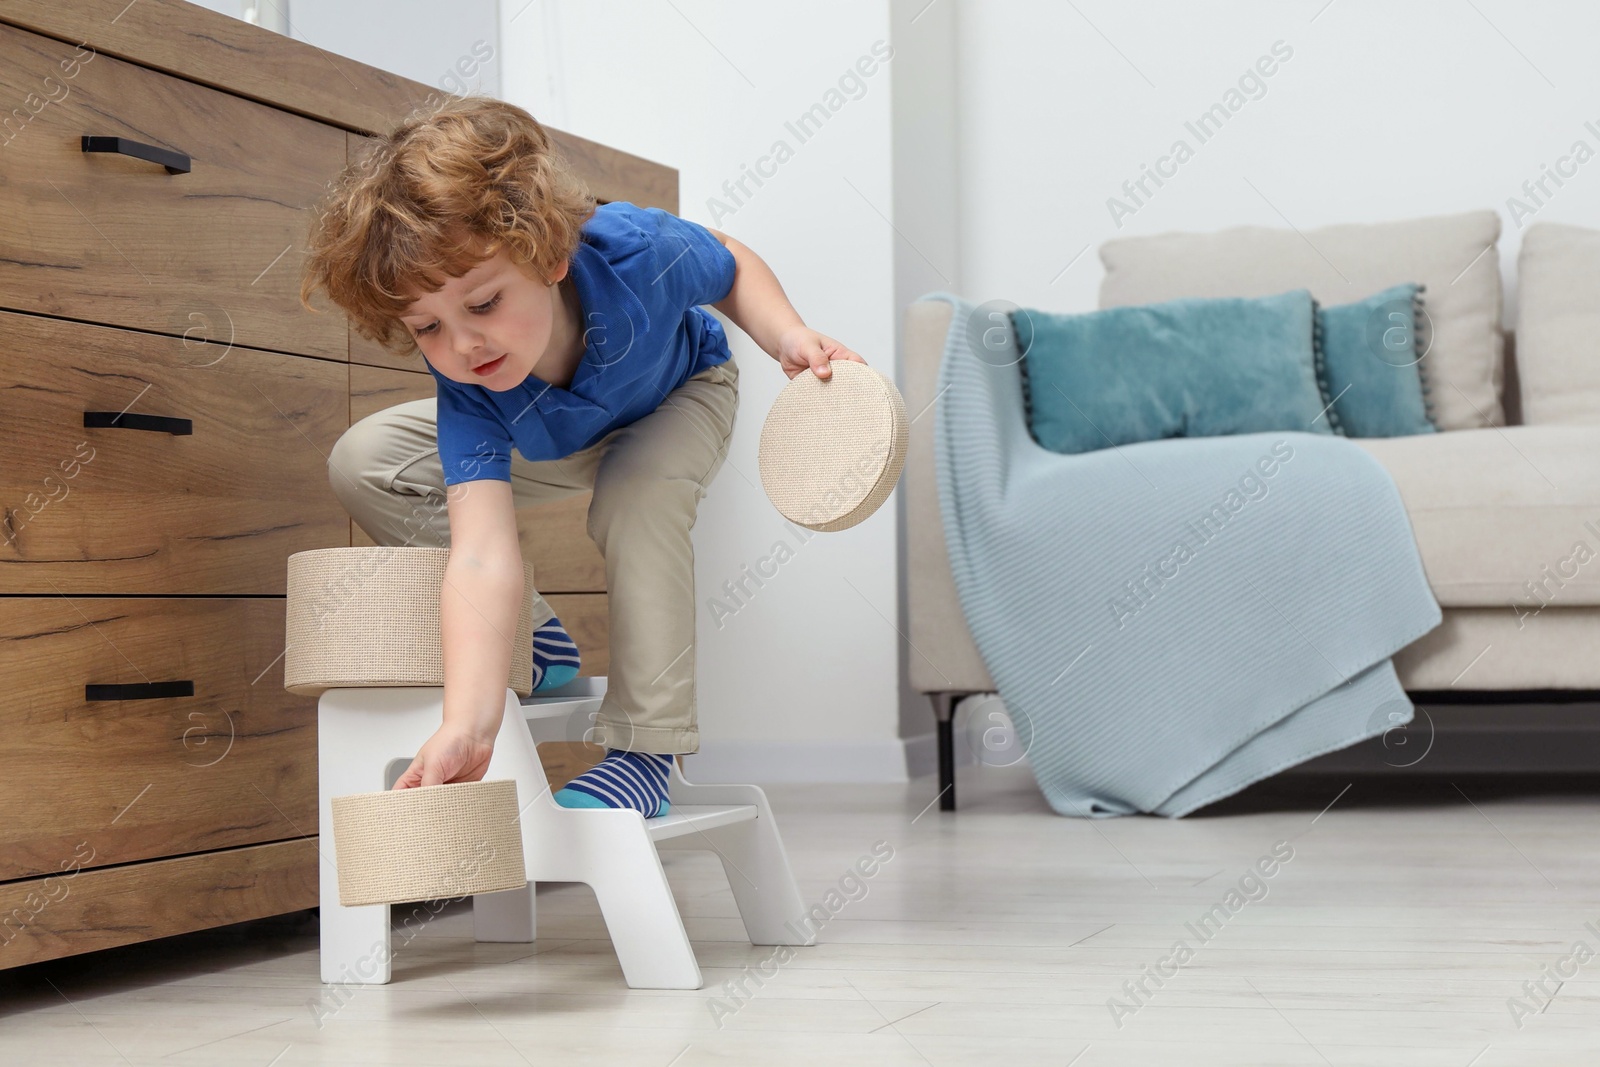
<point>367,736</point>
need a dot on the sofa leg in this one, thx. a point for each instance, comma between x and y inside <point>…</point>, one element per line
<point>943,706</point>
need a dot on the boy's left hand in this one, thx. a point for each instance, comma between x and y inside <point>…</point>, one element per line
<point>802,347</point>
<point>450,755</point>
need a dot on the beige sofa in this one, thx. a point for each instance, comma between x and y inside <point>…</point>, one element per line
<point>1506,514</point>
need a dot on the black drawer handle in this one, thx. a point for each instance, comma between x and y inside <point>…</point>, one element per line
<point>139,690</point>
<point>175,162</point>
<point>122,420</point>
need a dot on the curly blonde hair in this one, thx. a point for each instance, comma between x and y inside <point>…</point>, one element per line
<point>444,190</point>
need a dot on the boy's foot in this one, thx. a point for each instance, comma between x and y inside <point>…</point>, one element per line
<point>555,656</point>
<point>636,780</point>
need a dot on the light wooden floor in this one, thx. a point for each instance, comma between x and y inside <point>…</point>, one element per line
<point>1395,935</point>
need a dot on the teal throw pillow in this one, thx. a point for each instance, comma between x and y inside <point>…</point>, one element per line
<point>1372,356</point>
<point>1196,367</point>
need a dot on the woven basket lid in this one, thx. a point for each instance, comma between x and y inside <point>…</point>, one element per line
<point>369,616</point>
<point>433,842</point>
<point>832,448</point>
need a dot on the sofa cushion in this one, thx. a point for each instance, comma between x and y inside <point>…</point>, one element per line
<point>1493,648</point>
<point>1452,255</point>
<point>1181,368</point>
<point>1558,324</point>
<point>1503,517</point>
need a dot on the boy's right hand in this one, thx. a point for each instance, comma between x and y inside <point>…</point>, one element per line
<point>450,755</point>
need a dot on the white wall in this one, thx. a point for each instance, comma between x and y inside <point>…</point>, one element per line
<point>450,45</point>
<point>1384,111</point>
<point>924,155</point>
<point>802,681</point>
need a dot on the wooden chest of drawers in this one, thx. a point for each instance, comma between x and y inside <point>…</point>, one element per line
<point>166,412</point>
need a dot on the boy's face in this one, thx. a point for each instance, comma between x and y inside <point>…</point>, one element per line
<point>489,327</point>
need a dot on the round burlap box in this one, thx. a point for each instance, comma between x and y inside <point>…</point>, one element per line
<point>832,448</point>
<point>433,842</point>
<point>361,617</point>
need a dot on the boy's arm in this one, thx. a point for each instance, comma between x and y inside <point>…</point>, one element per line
<point>479,605</point>
<point>480,602</point>
<point>757,305</point>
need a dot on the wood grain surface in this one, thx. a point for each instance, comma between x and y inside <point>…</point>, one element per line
<point>214,253</point>
<point>78,910</point>
<point>234,764</point>
<point>127,510</point>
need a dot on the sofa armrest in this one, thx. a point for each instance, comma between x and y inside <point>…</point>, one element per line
<point>943,657</point>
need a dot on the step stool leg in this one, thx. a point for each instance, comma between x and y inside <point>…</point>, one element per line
<point>512,915</point>
<point>610,850</point>
<point>359,730</point>
<point>754,859</point>
<point>641,915</point>
<point>758,873</point>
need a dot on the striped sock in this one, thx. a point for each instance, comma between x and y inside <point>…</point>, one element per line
<point>623,779</point>
<point>555,656</point>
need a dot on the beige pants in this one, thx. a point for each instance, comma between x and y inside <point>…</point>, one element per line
<point>648,478</point>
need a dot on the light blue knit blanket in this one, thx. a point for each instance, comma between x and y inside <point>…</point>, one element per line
<point>1170,621</point>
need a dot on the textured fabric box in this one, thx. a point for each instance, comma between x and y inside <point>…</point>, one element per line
<point>367,616</point>
<point>1181,368</point>
<point>1452,255</point>
<point>434,842</point>
<point>1558,324</point>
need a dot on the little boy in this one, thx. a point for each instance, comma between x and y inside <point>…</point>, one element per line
<point>572,333</point>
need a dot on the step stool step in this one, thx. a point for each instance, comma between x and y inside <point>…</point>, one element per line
<point>689,818</point>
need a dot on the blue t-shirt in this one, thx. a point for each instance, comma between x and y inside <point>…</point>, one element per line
<point>641,276</point>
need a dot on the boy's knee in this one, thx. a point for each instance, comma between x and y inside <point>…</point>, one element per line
<point>352,460</point>
<point>648,500</point>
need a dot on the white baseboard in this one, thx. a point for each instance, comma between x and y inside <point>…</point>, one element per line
<point>760,762</point>
<point>757,762</point>
<point>820,761</point>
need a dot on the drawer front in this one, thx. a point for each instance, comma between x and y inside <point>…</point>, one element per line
<point>135,773</point>
<point>74,910</point>
<point>217,482</point>
<point>373,388</point>
<point>372,354</point>
<point>107,237</point>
